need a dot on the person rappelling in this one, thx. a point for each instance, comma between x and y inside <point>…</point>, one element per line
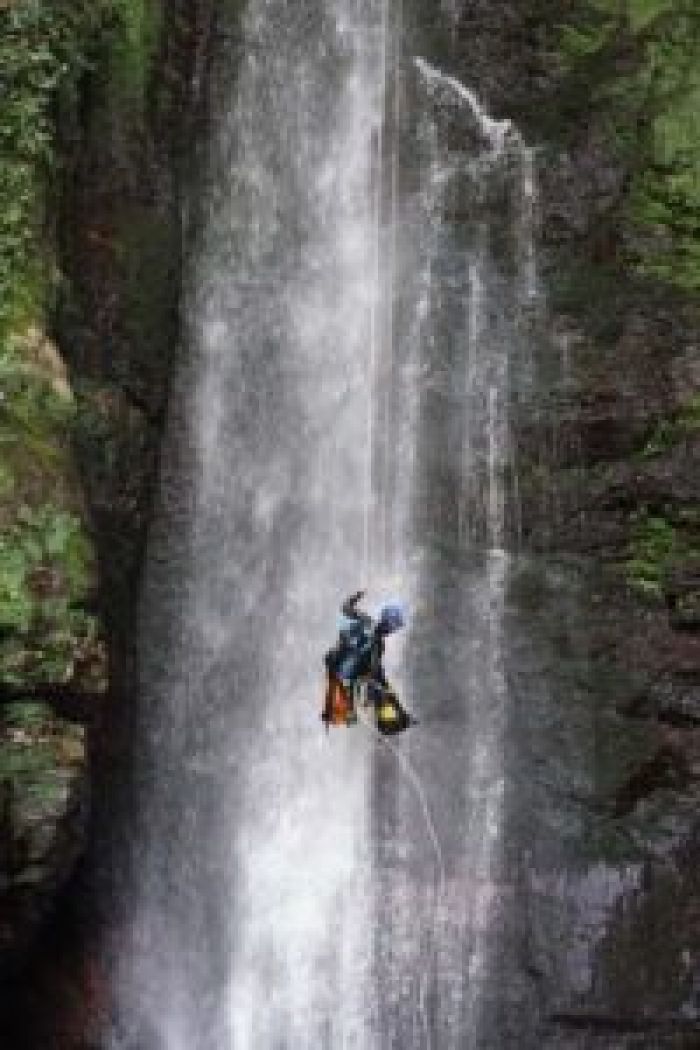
<point>355,669</point>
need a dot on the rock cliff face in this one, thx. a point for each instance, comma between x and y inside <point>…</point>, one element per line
<point>44,807</point>
<point>51,651</point>
<point>129,147</point>
<point>81,412</point>
<point>608,463</point>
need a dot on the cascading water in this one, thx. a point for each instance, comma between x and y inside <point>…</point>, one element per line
<point>342,418</point>
<point>253,920</point>
<point>466,245</point>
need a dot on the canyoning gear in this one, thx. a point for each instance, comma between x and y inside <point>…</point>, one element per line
<point>354,666</point>
<point>357,662</point>
<point>391,716</point>
<point>342,703</point>
<point>360,647</point>
<point>352,654</point>
<point>338,708</point>
<point>350,630</point>
<point>392,617</point>
<point>387,713</point>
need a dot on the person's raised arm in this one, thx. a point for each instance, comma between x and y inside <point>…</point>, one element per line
<point>350,609</point>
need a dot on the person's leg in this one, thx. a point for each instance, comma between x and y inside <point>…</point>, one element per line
<point>327,714</point>
<point>375,693</point>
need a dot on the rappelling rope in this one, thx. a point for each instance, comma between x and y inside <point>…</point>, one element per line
<point>409,772</point>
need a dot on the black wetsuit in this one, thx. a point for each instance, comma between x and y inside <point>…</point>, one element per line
<point>368,654</point>
<point>371,666</point>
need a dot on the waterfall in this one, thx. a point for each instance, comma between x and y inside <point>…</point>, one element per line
<point>288,335</point>
<point>340,419</point>
<point>493,131</point>
<point>490,281</point>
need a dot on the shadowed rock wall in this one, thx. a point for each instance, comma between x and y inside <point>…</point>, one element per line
<point>127,140</point>
<point>608,465</point>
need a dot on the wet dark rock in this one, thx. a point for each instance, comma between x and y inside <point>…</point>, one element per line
<point>124,163</point>
<point>650,956</point>
<point>674,699</point>
<point>612,927</point>
<point>43,809</point>
<point>604,1022</point>
<point>581,191</point>
<point>667,768</point>
<point>682,596</point>
<point>127,166</point>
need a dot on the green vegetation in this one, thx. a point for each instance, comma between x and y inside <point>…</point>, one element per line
<point>657,545</point>
<point>653,548</point>
<point>40,755</point>
<point>42,50</point>
<point>669,432</point>
<point>637,64</point>
<point>140,26</point>
<point>36,409</point>
<point>45,47</point>
<point>45,575</point>
<point>46,559</point>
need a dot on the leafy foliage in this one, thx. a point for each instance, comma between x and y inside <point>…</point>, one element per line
<point>658,543</point>
<point>46,569</point>
<point>638,63</point>
<point>654,544</point>
<point>29,403</point>
<point>40,755</point>
<point>37,413</point>
<point>39,49</point>
<point>45,46</point>
<point>668,432</point>
<point>45,575</point>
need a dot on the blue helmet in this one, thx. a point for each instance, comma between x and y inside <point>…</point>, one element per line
<point>392,617</point>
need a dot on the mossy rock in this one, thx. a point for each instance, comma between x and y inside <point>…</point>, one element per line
<point>668,432</point>
<point>47,561</point>
<point>36,413</point>
<point>661,545</point>
<point>634,69</point>
<point>46,575</point>
<point>42,761</point>
<point>43,778</point>
<point>681,589</point>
